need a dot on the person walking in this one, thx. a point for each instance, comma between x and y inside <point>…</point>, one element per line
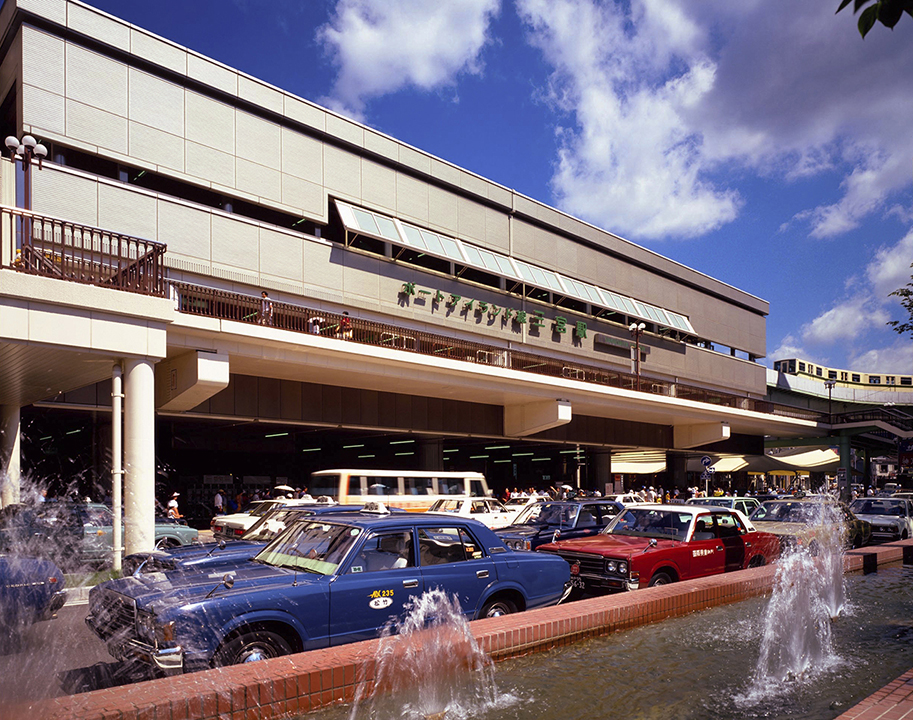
<point>266,309</point>
<point>218,503</point>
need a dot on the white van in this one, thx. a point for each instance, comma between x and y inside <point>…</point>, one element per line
<point>408,489</point>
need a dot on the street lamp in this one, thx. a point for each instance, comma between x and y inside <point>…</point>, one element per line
<point>637,330</point>
<point>829,384</point>
<point>26,150</point>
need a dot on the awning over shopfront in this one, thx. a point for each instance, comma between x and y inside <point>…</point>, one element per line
<point>786,462</point>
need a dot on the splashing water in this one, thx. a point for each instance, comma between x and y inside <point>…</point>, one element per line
<point>429,667</point>
<point>809,591</point>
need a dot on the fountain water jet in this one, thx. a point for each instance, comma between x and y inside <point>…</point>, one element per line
<point>429,666</point>
<point>809,591</point>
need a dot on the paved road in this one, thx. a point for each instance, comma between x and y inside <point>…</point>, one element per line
<point>48,648</point>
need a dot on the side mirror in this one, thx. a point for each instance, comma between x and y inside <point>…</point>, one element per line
<point>228,580</point>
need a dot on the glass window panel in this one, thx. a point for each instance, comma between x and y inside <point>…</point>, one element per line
<point>552,281</point>
<point>661,316</point>
<point>627,304</point>
<point>593,294</point>
<point>489,260</point>
<point>451,249</point>
<point>414,237</point>
<point>641,309</point>
<point>538,277</point>
<point>365,221</point>
<point>387,228</point>
<point>473,256</point>
<point>506,267</point>
<point>433,242</point>
<point>526,271</point>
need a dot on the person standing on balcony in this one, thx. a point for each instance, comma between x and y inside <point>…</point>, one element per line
<point>266,309</point>
<point>345,326</point>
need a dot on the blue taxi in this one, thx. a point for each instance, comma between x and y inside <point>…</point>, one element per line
<point>227,553</point>
<point>31,590</point>
<point>323,581</point>
<point>546,522</point>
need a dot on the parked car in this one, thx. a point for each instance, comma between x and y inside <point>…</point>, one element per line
<point>84,531</point>
<point>648,544</point>
<point>31,590</point>
<point>232,527</point>
<point>627,498</point>
<point>811,521</point>
<point>544,522</point>
<point>322,582</point>
<point>891,518</point>
<point>227,553</point>
<point>488,511</point>
<point>745,505</point>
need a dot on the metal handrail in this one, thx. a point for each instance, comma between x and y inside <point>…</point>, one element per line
<point>212,302</point>
<point>50,247</point>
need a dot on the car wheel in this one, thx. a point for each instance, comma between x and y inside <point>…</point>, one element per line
<point>497,607</point>
<point>756,561</point>
<point>252,646</point>
<point>903,535</point>
<point>167,544</point>
<point>660,578</point>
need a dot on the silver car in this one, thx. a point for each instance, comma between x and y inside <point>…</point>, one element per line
<point>891,517</point>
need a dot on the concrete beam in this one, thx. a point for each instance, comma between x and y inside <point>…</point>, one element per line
<point>689,436</point>
<point>531,418</point>
<point>183,382</point>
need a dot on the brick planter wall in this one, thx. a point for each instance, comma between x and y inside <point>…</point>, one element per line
<point>296,684</point>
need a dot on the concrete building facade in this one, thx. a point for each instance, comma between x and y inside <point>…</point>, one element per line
<point>404,293</point>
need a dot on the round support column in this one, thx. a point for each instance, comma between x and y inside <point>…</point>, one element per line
<point>139,456</point>
<point>9,455</point>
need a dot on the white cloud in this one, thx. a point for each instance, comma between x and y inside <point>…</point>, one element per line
<point>845,321</point>
<point>383,46</point>
<point>895,358</point>
<point>665,96</point>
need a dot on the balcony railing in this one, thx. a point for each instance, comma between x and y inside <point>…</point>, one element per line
<point>54,248</point>
<point>198,300</point>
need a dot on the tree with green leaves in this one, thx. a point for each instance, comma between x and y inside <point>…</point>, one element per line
<point>887,12</point>
<point>906,300</point>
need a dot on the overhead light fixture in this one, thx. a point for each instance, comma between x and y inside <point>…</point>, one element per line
<point>73,432</point>
<point>498,447</point>
<point>522,454</point>
<point>478,457</point>
<point>277,435</point>
<point>349,447</point>
<point>401,442</point>
<point>365,456</point>
<point>311,450</point>
<point>539,459</point>
<point>450,451</point>
<point>502,461</point>
<point>408,453</point>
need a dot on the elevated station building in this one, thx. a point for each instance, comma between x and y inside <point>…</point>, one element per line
<point>417,313</point>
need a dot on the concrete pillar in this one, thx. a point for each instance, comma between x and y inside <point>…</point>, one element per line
<point>601,469</point>
<point>676,470</point>
<point>139,456</point>
<point>9,455</point>
<point>117,462</point>
<point>846,462</point>
<point>431,453</point>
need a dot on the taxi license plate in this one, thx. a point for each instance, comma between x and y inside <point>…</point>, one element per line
<point>578,582</point>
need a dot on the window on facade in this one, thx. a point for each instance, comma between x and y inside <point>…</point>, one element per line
<point>874,380</point>
<point>906,381</point>
<point>832,375</point>
<point>857,377</point>
<point>801,367</point>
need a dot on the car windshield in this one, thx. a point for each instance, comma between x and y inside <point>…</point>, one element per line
<point>261,509</point>
<point>316,547</point>
<point>879,507</point>
<point>646,522</point>
<point>715,501</point>
<point>444,505</point>
<point>271,524</point>
<point>791,512</point>
<point>548,514</point>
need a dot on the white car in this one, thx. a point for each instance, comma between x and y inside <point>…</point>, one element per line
<point>232,527</point>
<point>488,511</point>
<point>891,517</point>
<point>625,498</point>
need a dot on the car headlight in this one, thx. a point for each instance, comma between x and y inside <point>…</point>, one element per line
<point>622,568</point>
<point>145,626</point>
<point>611,566</point>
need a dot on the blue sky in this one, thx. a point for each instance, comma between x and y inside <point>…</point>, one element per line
<point>763,143</point>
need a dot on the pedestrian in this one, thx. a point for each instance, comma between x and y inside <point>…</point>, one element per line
<point>266,309</point>
<point>218,502</point>
<point>345,326</point>
<point>314,324</point>
<point>173,512</point>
